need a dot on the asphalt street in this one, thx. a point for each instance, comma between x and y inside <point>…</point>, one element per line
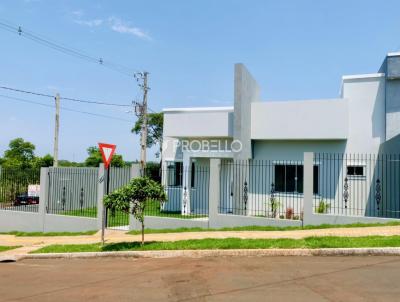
<point>206,279</point>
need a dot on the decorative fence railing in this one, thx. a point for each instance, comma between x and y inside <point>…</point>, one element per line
<point>262,188</point>
<point>358,185</point>
<point>118,178</point>
<point>72,191</point>
<point>19,189</point>
<point>187,191</point>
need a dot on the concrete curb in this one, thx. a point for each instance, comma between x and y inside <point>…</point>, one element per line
<point>395,251</point>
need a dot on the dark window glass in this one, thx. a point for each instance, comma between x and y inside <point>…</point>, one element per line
<point>192,176</point>
<point>178,173</point>
<point>280,178</point>
<point>355,171</point>
<point>300,179</point>
<point>290,179</point>
<point>316,180</point>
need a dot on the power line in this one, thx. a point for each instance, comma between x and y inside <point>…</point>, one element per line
<point>64,98</point>
<point>64,108</point>
<point>40,39</point>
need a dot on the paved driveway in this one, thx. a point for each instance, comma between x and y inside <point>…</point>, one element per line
<point>207,279</point>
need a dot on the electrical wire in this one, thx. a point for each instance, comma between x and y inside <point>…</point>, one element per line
<point>40,39</point>
<point>64,98</point>
<point>64,108</point>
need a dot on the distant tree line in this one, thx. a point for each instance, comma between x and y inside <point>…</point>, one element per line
<point>21,155</point>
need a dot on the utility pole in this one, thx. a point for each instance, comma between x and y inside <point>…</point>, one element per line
<point>143,115</point>
<point>56,131</point>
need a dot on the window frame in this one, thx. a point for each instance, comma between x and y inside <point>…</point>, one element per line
<point>177,174</point>
<point>316,180</point>
<point>356,176</point>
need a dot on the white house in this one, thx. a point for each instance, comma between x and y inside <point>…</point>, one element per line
<point>364,119</point>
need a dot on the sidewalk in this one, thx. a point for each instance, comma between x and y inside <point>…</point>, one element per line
<point>31,243</point>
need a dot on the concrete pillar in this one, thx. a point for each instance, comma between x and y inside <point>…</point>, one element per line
<point>100,195</point>
<point>135,171</point>
<point>214,194</point>
<point>186,185</point>
<point>43,194</point>
<point>308,187</point>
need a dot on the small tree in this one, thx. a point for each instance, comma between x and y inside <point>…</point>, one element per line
<point>134,197</point>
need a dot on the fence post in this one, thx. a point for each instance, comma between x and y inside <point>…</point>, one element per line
<point>100,196</point>
<point>135,170</point>
<point>213,200</point>
<point>308,187</point>
<point>43,194</point>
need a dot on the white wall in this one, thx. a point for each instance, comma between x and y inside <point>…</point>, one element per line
<point>198,123</point>
<point>366,96</point>
<point>246,92</point>
<point>294,150</point>
<point>313,119</point>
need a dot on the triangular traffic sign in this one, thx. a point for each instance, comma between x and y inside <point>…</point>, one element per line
<point>107,152</point>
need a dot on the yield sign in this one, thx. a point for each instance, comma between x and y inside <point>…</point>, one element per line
<point>107,152</point>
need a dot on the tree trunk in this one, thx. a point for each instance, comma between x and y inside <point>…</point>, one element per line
<point>142,233</point>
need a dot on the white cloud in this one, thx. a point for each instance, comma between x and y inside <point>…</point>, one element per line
<point>78,13</point>
<point>90,23</point>
<point>115,24</point>
<point>120,26</point>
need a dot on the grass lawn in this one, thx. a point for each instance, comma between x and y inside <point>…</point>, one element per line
<point>232,243</point>
<point>153,208</point>
<point>40,234</point>
<point>6,248</point>
<point>118,219</point>
<point>266,228</point>
<point>86,212</point>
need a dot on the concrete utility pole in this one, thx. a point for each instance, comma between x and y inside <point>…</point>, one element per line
<point>56,131</point>
<point>143,138</point>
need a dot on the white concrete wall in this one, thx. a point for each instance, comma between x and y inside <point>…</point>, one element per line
<point>314,119</point>
<point>367,127</point>
<point>198,123</point>
<point>294,150</point>
<point>246,92</point>
<point>392,69</point>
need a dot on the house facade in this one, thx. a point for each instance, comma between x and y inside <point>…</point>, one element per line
<point>266,141</point>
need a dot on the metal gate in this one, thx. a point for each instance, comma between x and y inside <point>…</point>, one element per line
<point>119,220</point>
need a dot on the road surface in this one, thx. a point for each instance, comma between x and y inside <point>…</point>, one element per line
<point>207,279</point>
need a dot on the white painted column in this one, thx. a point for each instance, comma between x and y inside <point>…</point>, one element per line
<point>308,187</point>
<point>43,194</point>
<point>101,178</point>
<point>186,186</point>
<point>214,194</point>
<point>135,171</point>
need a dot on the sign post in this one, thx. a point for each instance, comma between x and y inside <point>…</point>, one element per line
<point>107,152</point>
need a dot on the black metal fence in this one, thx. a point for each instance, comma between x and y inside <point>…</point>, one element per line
<point>72,192</point>
<point>19,189</point>
<point>187,190</point>
<point>262,188</point>
<point>358,184</point>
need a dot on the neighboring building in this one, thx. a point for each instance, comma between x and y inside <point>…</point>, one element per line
<point>365,119</point>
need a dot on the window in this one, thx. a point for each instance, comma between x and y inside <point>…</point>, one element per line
<point>174,177</point>
<point>175,174</point>
<point>192,176</point>
<point>290,178</point>
<point>355,171</point>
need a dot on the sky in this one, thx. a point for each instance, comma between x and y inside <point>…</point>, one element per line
<point>295,49</point>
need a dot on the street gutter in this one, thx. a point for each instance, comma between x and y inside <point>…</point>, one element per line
<point>387,251</point>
